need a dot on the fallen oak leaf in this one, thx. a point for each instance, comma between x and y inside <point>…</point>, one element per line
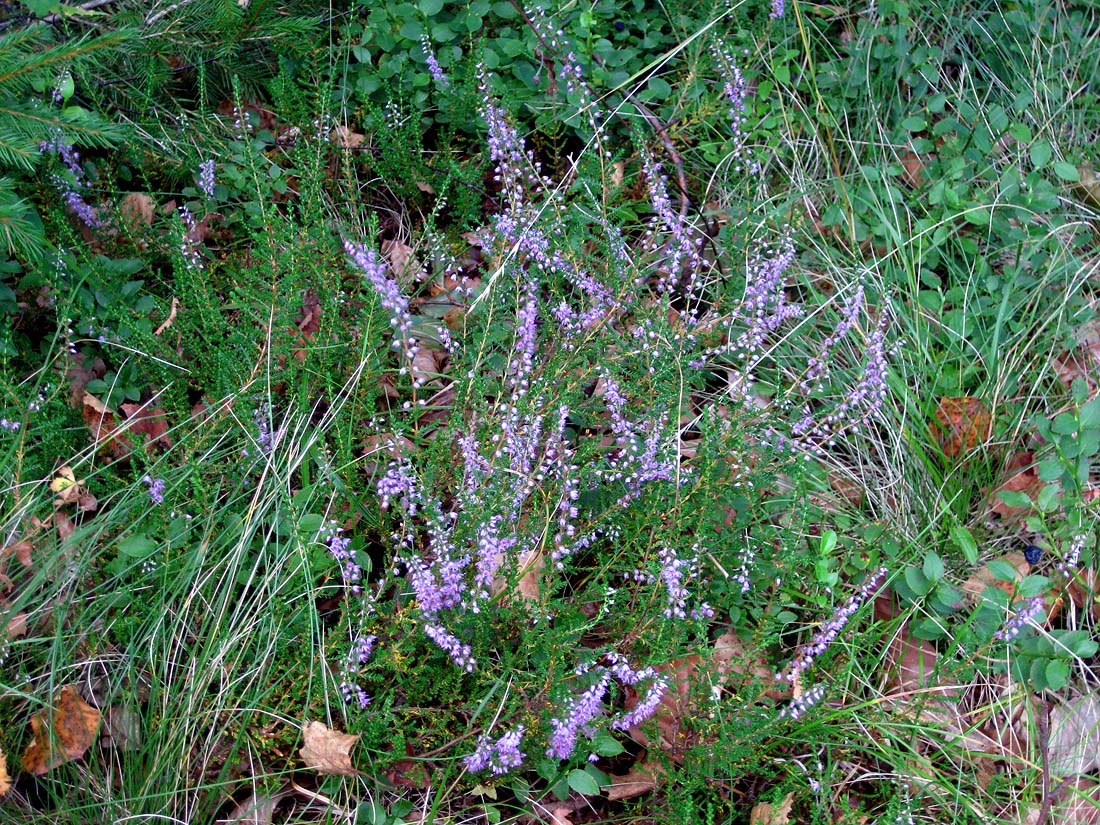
<point>327,751</point>
<point>5,780</point>
<point>63,735</point>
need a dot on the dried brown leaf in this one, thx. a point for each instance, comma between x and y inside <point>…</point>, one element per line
<point>327,751</point>
<point>103,423</point>
<point>403,261</point>
<point>5,780</point>
<point>121,728</point>
<point>63,735</point>
<point>1074,746</point>
<point>640,779</point>
<point>961,424</point>
<point>21,550</point>
<point>257,809</point>
<point>16,628</point>
<point>137,210</point>
<point>1079,803</point>
<point>765,813</point>
<point>151,422</point>
<point>345,138</point>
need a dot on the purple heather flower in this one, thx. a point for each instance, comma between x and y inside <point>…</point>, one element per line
<point>798,706</point>
<point>156,488</point>
<point>11,426</point>
<point>206,178</point>
<point>1068,565</point>
<point>818,370</point>
<point>500,756</point>
<point>434,68</point>
<point>460,653</point>
<point>70,188</point>
<point>778,7</point>
<point>831,629</point>
<point>733,83</point>
<point>400,483</point>
<point>675,571</point>
<point>1025,616</point>
<point>389,296</point>
<point>579,713</point>
<point>361,650</point>
<point>340,549</point>
<point>353,692</point>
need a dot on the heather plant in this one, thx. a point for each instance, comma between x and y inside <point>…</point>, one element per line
<point>533,448</point>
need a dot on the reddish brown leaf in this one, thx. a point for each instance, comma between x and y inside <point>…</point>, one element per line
<point>5,780</point>
<point>148,421</point>
<point>63,735</point>
<point>104,424</point>
<point>961,424</point>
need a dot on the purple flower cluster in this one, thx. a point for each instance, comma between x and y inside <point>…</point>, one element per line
<point>1025,616</point>
<point>778,7</point>
<point>860,404</point>
<point>733,84</point>
<point>206,178</point>
<point>817,371</point>
<point>500,756</point>
<point>676,571</point>
<point>434,68</point>
<point>580,711</point>
<point>556,43</point>
<point>681,251</point>
<point>189,246</point>
<point>390,297</point>
<point>1068,565</point>
<point>361,649</point>
<point>831,629</point>
<point>639,459</point>
<point>156,488</point>
<point>340,549</point>
<point>802,703</point>
<point>71,186</point>
<point>11,426</point>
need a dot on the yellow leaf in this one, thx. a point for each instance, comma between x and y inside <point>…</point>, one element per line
<point>65,479</point>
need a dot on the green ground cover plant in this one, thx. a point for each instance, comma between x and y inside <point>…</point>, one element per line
<point>446,412</point>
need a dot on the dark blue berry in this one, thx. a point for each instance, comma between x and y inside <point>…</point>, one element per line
<point>620,26</point>
<point>1033,553</point>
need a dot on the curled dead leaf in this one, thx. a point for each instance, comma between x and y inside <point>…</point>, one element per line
<point>5,780</point>
<point>345,138</point>
<point>16,627</point>
<point>62,735</point>
<point>104,424</point>
<point>327,751</point>
<point>21,550</point>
